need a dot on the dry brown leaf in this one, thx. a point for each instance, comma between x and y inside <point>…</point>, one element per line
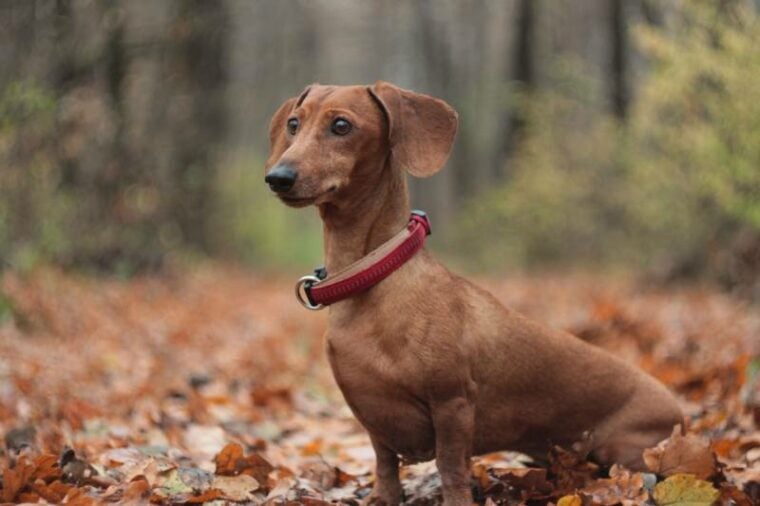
<point>530,482</point>
<point>14,480</point>
<point>682,454</point>
<point>137,490</point>
<point>622,487</point>
<point>227,459</point>
<point>569,470</point>
<point>266,396</point>
<point>312,501</point>
<point>28,497</point>
<point>209,495</point>
<point>53,493</point>
<point>236,488</point>
<point>46,468</point>
<point>735,497</point>
<point>231,462</point>
<point>321,473</point>
<point>77,497</point>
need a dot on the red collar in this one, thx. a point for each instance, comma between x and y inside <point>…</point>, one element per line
<point>318,290</point>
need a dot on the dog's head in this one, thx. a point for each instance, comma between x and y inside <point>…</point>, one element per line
<point>330,139</point>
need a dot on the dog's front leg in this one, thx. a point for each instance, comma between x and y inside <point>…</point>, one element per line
<point>387,489</point>
<point>454,423</point>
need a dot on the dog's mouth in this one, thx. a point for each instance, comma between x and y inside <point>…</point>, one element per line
<point>299,201</point>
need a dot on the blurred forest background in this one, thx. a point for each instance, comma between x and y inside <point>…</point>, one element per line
<point>606,134</point>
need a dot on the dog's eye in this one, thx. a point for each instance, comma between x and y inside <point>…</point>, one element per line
<point>340,127</point>
<point>292,126</point>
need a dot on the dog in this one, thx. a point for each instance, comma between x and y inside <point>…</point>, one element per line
<point>431,365</point>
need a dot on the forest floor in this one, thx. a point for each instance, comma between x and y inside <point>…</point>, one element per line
<point>213,386</point>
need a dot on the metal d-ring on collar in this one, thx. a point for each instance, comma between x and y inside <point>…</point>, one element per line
<point>303,287</point>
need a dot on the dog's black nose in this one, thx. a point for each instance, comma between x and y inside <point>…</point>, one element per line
<point>281,178</point>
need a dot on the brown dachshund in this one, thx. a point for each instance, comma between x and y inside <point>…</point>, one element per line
<point>432,365</point>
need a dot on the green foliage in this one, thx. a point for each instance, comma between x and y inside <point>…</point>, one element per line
<point>31,211</point>
<point>675,184</point>
<point>6,308</point>
<point>698,119</point>
<point>22,102</point>
<point>254,226</point>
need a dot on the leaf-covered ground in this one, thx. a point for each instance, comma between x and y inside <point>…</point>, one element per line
<point>212,386</point>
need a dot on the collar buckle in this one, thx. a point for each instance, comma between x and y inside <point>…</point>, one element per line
<point>303,291</point>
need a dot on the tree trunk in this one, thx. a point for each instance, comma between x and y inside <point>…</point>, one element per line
<point>619,94</point>
<point>523,73</point>
<point>199,63</point>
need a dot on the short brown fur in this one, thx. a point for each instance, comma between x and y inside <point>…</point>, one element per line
<point>430,364</point>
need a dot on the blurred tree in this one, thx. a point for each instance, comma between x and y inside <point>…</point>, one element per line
<point>524,76</point>
<point>195,77</point>
<point>140,114</point>
<point>118,147</point>
<point>619,59</point>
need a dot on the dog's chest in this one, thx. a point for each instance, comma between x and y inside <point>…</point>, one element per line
<point>385,402</point>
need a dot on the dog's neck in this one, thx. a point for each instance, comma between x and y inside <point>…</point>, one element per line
<point>378,211</point>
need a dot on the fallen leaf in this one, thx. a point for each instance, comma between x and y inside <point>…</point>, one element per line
<point>735,497</point>
<point>170,484</point>
<point>77,497</point>
<point>685,490</point>
<point>569,470</point>
<point>46,468</point>
<point>231,461</point>
<point>682,454</point>
<point>622,487</point>
<point>266,396</point>
<point>137,490</point>
<point>209,495</point>
<point>204,440</point>
<point>321,473</point>
<point>53,493</point>
<point>197,479</point>
<point>14,480</point>
<point>227,459</point>
<point>236,488</point>
<point>570,500</point>
<point>530,482</point>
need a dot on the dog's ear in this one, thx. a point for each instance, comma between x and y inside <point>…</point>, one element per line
<point>421,128</point>
<point>278,141</point>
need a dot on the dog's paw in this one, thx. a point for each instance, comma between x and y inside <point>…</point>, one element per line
<point>384,496</point>
<point>458,497</point>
